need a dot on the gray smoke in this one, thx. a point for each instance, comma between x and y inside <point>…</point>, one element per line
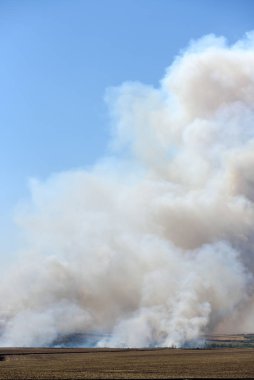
<point>153,246</point>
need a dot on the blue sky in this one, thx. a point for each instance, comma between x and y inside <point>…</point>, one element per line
<point>58,57</point>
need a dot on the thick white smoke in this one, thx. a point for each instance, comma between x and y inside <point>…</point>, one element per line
<point>154,247</point>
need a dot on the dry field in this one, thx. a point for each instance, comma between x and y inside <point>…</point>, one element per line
<point>126,364</point>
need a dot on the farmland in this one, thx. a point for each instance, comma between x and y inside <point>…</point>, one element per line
<point>157,363</point>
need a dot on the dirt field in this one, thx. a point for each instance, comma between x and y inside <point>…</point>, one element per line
<point>126,364</point>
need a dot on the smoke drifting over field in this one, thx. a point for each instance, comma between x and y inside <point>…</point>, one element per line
<point>155,245</point>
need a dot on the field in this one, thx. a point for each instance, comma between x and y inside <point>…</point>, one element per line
<point>126,364</point>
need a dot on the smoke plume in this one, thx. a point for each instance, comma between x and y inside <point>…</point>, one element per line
<point>153,246</point>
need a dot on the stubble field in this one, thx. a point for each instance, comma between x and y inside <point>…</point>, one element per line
<point>126,364</point>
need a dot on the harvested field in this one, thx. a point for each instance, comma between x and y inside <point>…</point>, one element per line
<point>126,364</point>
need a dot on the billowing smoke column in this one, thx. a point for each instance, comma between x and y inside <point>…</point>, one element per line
<point>154,246</point>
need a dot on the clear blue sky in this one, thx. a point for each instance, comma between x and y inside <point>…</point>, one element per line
<point>59,56</point>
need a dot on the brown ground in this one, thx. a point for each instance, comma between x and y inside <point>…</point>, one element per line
<point>126,364</point>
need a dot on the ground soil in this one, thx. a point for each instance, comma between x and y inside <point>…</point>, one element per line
<point>126,364</point>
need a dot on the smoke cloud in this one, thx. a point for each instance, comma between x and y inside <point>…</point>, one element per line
<point>153,246</point>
